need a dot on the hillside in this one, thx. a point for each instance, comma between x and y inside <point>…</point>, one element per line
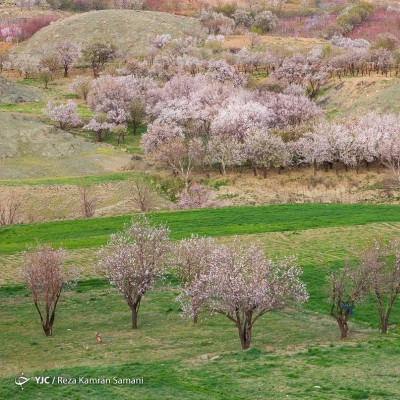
<point>291,44</point>
<point>11,93</point>
<point>352,96</point>
<point>33,149</point>
<point>128,30</point>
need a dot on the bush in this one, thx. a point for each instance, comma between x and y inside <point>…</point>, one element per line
<point>227,9</point>
<point>354,16</point>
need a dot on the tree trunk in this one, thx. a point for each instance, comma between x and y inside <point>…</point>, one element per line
<point>265,173</point>
<point>245,336</point>
<point>48,329</point>
<point>65,71</point>
<point>344,329</point>
<point>244,325</point>
<point>134,317</point>
<point>195,319</point>
<point>384,325</point>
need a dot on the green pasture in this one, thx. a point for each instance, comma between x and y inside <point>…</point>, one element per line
<point>295,354</point>
<point>213,222</point>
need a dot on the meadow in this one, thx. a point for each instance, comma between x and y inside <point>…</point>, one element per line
<point>295,354</point>
<point>75,234</point>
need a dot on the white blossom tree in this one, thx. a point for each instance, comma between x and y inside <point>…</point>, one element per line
<point>160,134</point>
<point>100,128</point>
<point>265,150</point>
<point>64,114</point>
<point>241,284</point>
<point>226,151</point>
<point>133,259</point>
<point>193,258</point>
<point>68,53</point>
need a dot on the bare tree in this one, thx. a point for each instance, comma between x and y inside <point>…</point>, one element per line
<point>381,262</point>
<point>133,259</point>
<point>98,54</point>
<point>45,280</point>
<point>88,200</point>
<point>141,195</point>
<point>10,211</point>
<point>348,286</point>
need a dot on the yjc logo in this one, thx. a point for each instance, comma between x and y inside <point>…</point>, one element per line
<point>21,380</point>
<point>40,380</point>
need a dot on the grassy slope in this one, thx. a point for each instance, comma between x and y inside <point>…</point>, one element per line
<point>215,222</point>
<point>292,351</point>
<point>72,180</point>
<point>351,96</point>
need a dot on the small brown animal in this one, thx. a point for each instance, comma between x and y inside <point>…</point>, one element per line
<point>98,338</point>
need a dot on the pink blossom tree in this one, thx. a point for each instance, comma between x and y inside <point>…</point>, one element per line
<point>64,114</point>
<point>112,96</point>
<point>241,284</point>
<point>222,72</point>
<point>160,134</point>
<point>265,150</point>
<point>176,155</point>
<point>265,20</point>
<point>226,151</point>
<point>46,279</point>
<point>196,196</point>
<point>189,101</point>
<point>303,69</point>
<point>314,147</point>
<point>217,23</point>
<point>192,258</point>
<point>25,64</point>
<point>133,259</point>
<point>128,4</point>
<point>289,110</point>
<point>120,97</point>
<point>28,4</point>
<point>239,115</point>
<point>67,52</point>
<point>100,128</point>
<point>11,33</point>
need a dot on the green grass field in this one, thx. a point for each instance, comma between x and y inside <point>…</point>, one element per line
<point>213,222</point>
<point>295,354</point>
